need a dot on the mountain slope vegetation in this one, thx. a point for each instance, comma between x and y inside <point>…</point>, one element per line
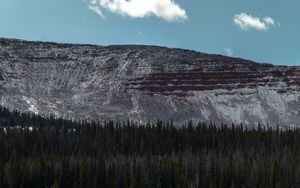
<point>47,152</point>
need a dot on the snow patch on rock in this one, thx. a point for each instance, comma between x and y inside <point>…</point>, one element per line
<point>32,104</point>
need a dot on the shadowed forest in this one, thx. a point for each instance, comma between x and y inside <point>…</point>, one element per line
<point>46,152</point>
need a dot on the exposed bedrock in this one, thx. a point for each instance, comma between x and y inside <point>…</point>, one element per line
<point>145,83</point>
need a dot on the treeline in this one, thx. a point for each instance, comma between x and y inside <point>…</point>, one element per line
<point>48,152</point>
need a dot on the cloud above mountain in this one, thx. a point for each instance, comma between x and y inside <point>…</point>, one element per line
<point>247,22</point>
<point>165,9</point>
<point>228,51</point>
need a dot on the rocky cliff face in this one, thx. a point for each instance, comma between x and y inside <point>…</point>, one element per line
<point>145,83</point>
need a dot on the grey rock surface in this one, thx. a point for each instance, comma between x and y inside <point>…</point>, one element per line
<point>144,83</point>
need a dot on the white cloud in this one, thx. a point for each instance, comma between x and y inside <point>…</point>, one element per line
<point>228,51</point>
<point>165,9</point>
<point>246,22</point>
<point>269,21</point>
<point>96,9</point>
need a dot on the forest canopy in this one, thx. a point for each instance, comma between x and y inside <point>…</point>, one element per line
<point>49,152</point>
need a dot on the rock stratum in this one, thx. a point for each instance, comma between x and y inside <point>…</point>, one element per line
<point>145,83</point>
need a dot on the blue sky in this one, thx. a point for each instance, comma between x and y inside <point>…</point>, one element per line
<point>265,31</point>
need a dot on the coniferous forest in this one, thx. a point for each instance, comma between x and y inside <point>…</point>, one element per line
<point>51,153</point>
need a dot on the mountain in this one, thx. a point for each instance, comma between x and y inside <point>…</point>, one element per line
<point>145,83</point>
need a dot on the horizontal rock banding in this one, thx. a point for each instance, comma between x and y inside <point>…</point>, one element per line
<point>176,82</point>
<point>132,81</point>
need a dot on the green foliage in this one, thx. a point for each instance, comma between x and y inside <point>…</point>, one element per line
<point>60,153</point>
